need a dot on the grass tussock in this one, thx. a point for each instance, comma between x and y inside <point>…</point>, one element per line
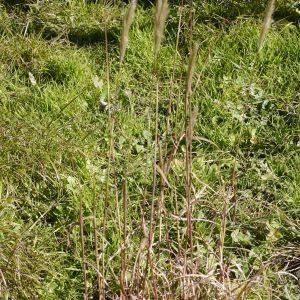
<point>174,182</point>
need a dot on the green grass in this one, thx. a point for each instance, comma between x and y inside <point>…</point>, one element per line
<point>55,137</point>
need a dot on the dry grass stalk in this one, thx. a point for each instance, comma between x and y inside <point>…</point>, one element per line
<point>123,251</point>
<point>267,23</point>
<point>154,186</point>
<point>234,196</point>
<point>105,206</point>
<point>223,233</point>
<point>84,267</point>
<point>226,201</point>
<point>128,19</point>
<point>191,17</point>
<point>113,159</point>
<point>161,203</point>
<point>230,197</point>
<point>3,279</point>
<point>176,211</point>
<point>96,248</point>
<point>191,69</point>
<point>174,68</point>
<point>111,129</point>
<point>162,10</point>
<point>144,242</point>
<point>190,118</point>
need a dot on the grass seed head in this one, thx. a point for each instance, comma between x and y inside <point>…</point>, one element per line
<point>267,23</point>
<point>128,19</point>
<point>191,68</point>
<point>162,10</point>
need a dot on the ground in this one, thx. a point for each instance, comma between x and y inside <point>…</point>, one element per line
<point>77,130</point>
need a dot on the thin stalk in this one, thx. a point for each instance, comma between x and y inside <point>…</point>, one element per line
<point>176,211</point>
<point>151,226</point>
<point>234,196</point>
<point>105,208</point>
<point>174,67</point>
<point>161,14</point>
<point>113,159</point>
<point>226,201</point>
<point>161,205</point>
<point>110,130</point>
<point>96,246</point>
<point>188,137</point>
<point>184,272</point>
<point>84,267</point>
<point>144,241</point>
<point>123,251</point>
<point>191,19</point>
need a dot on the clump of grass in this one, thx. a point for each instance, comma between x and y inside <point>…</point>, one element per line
<point>57,70</point>
<point>127,21</point>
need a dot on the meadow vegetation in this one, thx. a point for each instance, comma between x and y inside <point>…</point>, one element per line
<point>169,173</point>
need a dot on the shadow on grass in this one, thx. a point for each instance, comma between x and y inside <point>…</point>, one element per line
<point>23,5</point>
<point>79,36</point>
<point>220,12</point>
<point>288,13</point>
<point>82,37</point>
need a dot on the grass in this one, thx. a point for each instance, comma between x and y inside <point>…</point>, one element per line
<point>74,137</point>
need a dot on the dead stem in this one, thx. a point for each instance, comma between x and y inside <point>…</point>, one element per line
<point>96,247</point>
<point>168,126</point>
<point>123,251</point>
<point>84,267</point>
<point>110,130</point>
<point>189,123</point>
<point>152,221</point>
